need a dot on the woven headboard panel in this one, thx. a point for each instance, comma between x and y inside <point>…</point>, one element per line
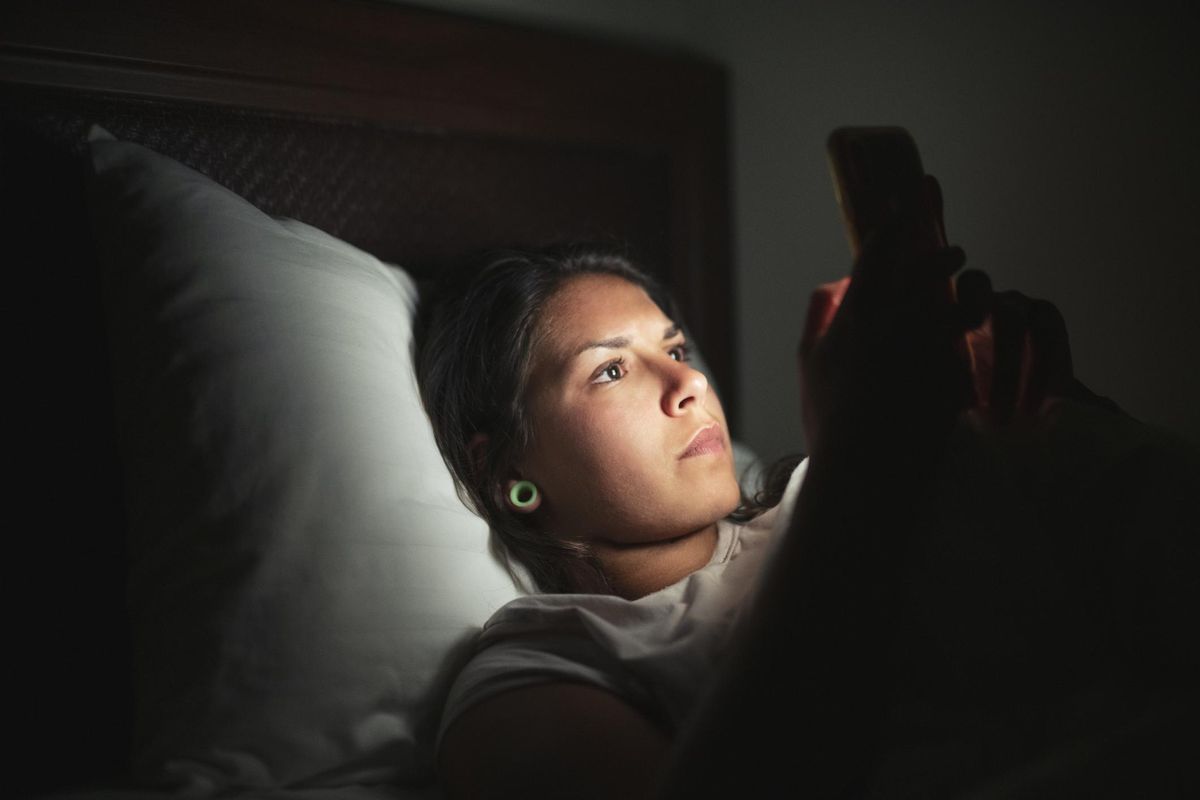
<point>411,196</point>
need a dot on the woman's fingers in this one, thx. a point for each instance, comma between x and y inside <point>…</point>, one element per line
<point>890,260</point>
<point>823,304</point>
<point>1012,353</point>
<point>973,289</point>
<point>1050,372</point>
<point>931,196</point>
<point>1025,353</point>
<point>947,261</point>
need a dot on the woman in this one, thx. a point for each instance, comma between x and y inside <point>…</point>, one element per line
<point>659,660</point>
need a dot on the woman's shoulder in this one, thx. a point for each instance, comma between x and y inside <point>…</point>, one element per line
<point>543,639</point>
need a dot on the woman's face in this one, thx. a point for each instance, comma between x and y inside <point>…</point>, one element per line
<point>630,445</point>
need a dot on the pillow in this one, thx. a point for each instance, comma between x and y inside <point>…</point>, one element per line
<point>302,570</point>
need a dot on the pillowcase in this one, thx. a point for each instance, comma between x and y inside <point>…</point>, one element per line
<point>303,573</point>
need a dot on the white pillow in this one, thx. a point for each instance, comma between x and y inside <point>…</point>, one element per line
<point>301,567</point>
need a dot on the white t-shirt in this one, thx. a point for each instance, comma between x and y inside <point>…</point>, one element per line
<point>655,652</point>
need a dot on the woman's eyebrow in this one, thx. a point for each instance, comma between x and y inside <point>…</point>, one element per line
<point>612,344</point>
<point>623,341</point>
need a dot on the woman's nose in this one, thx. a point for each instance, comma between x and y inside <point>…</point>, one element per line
<point>684,386</point>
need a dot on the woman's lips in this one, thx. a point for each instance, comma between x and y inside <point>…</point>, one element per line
<point>706,440</point>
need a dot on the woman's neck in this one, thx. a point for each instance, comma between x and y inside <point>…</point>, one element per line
<point>637,570</point>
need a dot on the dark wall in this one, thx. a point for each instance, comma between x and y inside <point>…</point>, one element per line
<point>1064,135</point>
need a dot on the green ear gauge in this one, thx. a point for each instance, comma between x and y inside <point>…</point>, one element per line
<point>523,494</point>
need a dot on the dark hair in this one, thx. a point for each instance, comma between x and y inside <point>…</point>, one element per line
<point>474,340</point>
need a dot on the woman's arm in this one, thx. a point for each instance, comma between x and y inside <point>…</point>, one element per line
<point>802,693</point>
<point>552,740</point>
<point>800,699</point>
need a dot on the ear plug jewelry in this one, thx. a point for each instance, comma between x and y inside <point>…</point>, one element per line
<point>523,494</point>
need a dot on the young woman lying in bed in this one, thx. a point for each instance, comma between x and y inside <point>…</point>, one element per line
<point>917,612</point>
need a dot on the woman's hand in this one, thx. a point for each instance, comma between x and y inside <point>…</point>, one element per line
<point>1020,354</point>
<point>882,358</point>
<point>1017,348</point>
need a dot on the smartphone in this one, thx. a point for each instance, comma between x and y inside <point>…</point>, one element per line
<point>878,176</point>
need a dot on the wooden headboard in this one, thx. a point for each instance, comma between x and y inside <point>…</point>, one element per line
<point>415,135</point>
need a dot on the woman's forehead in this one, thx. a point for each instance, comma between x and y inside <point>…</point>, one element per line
<point>595,307</point>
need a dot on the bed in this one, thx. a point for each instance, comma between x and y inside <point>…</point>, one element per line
<point>236,563</point>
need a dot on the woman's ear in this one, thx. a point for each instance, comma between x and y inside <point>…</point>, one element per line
<point>522,496</point>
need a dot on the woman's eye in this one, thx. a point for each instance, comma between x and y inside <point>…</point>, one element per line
<point>680,352</point>
<point>613,371</point>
